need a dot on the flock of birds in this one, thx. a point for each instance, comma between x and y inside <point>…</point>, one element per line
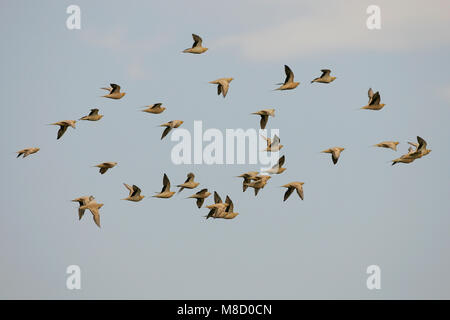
<point>252,179</point>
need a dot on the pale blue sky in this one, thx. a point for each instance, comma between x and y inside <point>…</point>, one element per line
<point>361,212</point>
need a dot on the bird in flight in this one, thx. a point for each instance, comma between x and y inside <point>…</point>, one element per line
<point>92,116</point>
<point>265,116</point>
<point>325,77</point>
<point>26,152</point>
<point>258,183</point>
<point>63,125</point>
<point>94,208</point>
<point>374,101</point>
<point>154,108</point>
<point>217,208</point>
<point>278,167</point>
<point>388,144</point>
<point>298,186</point>
<point>169,126</point>
<point>189,183</point>
<point>200,196</point>
<point>105,166</point>
<point>165,191</point>
<point>82,201</point>
<point>222,85</point>
<point>273,146</point>
<point>335,153</point>
<point>197,46</point>
<point>135,193</point>
<point>114,92</point>
<point>248,177</point>
<point>413,154</point>
<point>289,83</point>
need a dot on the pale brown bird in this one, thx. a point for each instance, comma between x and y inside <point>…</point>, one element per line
<point>248,177</point>
<point>94,208</point>
<point>114,92</point>
<point>156,108</point>
<point>259,182</point>
<point>92,116</point>
<point>289,82</point>
<point>388,144</point>
<point>165,191</point>
<point>82,201</point>
<point>227,213</point>
<point>217,208</point>
<point>273,146</point>
<point>420,151</point>
<point>298,186</point>
<point>135,193</point>
<point>222,85</point>
<point>26,152</point>
<point>197,46</point>
<point>200,196</point>
<point>278,167</point>
<point>374,101</point>
<point>421,148</point>
<point>169,126</point>
<point>265,116</point>
<point>325,77</point>
<point>189,183</point>
<point>105,166</point>
<point>63,125</point>
<point>335,153</point>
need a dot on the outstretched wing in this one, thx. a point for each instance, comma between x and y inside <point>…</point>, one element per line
<point>115,88</point>
<point>289,74</point>
<point>263,122</point>
<point>93,112</point>
<point>197,41</point>
<point>325,72</point>
<point>288,193</point>
<point>280,162</point>
<point>166,183</point>
<point>136,191</point>
<point>217,198</point>
<point>375,99</point>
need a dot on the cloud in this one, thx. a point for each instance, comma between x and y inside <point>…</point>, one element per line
<point>323,28</point>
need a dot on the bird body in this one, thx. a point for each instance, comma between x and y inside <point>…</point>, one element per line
<point>248,177</point>
<point>169,126</point>
<point>259,183</point>
<point>105,166</point>
<point>289,83</point>
<point>197,46</point>
<point>278,167</point>
<point>26,152</point>
<point>388,144</point>
<point>273,146</point>
<point>154,108</point>
<point>94,208</point>
<point>335,153</point>
<point>296,185</point>
<point>420,151</point>
<point>222,85</point>
<point>165,191</point>
<point>189,183</point>
<point>325,77</point>
<point>63,125</point>
<point>134,193</point>
<point>200,196</point>
<point>114,92</point>
<point>82,201</point>
<point>92,116</point>
<point>265,116</point>
<point>374,101</point>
